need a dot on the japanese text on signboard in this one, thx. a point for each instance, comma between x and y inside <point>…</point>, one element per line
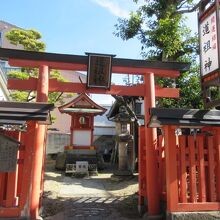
<point>99,71</point>
<point>209,45</point>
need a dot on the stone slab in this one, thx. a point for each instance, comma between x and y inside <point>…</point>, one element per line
<point>194,216</point>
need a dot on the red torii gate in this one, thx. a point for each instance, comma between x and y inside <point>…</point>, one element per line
<point>43,85</point>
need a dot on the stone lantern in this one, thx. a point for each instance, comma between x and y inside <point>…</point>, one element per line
<point>123,137</point>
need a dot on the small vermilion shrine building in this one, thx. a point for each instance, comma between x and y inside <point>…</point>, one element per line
<point>82,110</point>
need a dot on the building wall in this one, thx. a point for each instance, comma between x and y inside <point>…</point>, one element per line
<point>56,142</point>
<point>102,126</point>
<point>4,28</point>
<point>4,67</point>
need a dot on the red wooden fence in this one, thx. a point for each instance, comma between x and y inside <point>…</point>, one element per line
<point>189,173</point>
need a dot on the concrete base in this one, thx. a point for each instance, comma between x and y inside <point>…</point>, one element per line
<point>193,216</point>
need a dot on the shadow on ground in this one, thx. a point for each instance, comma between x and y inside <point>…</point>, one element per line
<point>91,207</point>
<point>97,197</point>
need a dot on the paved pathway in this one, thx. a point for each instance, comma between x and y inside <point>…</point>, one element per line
<point>95,208</point>
<point>93,198</point>
<point>75,187</point>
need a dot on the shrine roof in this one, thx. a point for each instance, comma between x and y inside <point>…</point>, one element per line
<point>80,59</point>
<point>17,113</point>
<point>184,117</point>
<point>82,104</point>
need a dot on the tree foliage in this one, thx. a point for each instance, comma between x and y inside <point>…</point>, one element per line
<point>160,26</point>
<point>31,41</point>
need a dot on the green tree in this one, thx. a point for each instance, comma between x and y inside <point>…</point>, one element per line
<point>31,41</point>
<point>160,27</point>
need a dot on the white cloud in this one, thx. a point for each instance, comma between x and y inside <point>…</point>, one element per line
<point>113,7</point>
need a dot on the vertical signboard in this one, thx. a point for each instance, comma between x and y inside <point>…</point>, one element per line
<point>99,71</point>
<point>209,44</point>
<point>209,52</point>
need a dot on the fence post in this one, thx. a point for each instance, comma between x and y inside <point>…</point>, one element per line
<point>201,169</point>
<point>183,185</point>
<point>171,169</point>
<point>218,163</point>
<point>192,169</point>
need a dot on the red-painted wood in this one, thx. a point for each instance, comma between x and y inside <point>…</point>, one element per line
<point>171,169</point>
<point>9,212</point>
<point>206,206</point>
<point>11,191</point>
<point>92,128</point>
<point>183,174</point>
<point>142,193</point>
<point>153,195</point>
<point>218,164</point>
<point>192,169</point>
<point>54,85</point>
<point>38,143</point>
<point>27,166</point>
<point>201,169</point>
<point>21,158</point>
<point>211,167</point>
<point>2,187</point>
<point>83,67</point>
<point>161,176</point>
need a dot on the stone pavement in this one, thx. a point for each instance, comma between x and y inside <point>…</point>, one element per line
<point>96,208</point>
<point>82,187</point>
<point>90,198</point>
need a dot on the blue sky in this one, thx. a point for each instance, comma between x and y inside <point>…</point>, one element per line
<point>76,26</point>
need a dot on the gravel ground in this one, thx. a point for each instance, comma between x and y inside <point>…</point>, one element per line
<point>96,197</point>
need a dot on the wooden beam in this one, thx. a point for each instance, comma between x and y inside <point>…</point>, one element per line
<point>162,72</point>
<point>200,206</point>
<point>51,64</point>
<point>56,86</point>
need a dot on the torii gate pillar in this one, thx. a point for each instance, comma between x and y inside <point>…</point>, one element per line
<point>151,141</point>
<point>39,145</point>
